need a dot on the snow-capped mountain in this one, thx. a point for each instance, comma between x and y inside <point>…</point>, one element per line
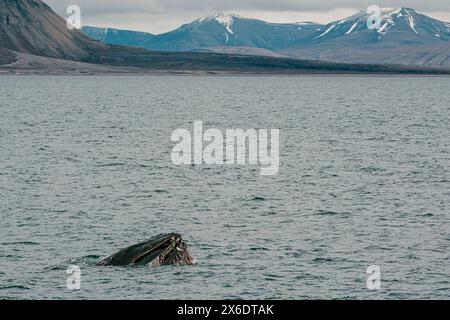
<point>403,36</point>
<point>408,23</point>
<point>218,30</point>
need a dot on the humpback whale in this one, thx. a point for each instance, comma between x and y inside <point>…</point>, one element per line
<point>164,249</point>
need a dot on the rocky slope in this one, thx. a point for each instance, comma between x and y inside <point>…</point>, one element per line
<point>30,26</point>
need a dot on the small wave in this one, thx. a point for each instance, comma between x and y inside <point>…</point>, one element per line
<point>331,213</point>
<point>257,198</point>
<point>234,226</point>
<point>270,213</point>
<point>14,286</point>
<point>72,160</point>
<point>372,169</point>
<point>323,260</point>
<point>259,249</point>
<point>55,268</point>
<point>300,253</point>
<point>272,277</point>
<point>427,215</point>
<point>113,164</point>
<point>89,260</point>
<point>305,276</point>
<point>20,243</point>
<point>59,211</point>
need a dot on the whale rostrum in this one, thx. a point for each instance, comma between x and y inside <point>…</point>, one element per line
<point>164,249</point>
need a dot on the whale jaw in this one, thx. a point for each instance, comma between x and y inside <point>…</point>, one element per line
<point>164,249</point>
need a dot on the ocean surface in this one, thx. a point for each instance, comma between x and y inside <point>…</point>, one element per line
<point>85,170</point>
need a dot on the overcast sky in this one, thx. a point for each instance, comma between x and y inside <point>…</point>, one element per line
<point>158,16</point>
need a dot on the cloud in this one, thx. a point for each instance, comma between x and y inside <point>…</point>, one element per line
<point>163,15</point>
<point>109,6</point>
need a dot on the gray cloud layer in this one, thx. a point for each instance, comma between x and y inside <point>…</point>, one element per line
<point>162,15</point>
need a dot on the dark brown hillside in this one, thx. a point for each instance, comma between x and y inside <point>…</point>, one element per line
<point>30,26</point>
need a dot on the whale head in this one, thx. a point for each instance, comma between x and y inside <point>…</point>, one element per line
<point>164,249</point>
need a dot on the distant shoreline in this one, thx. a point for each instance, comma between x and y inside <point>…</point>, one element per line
<point>196,73</point>
<point>156,64</point>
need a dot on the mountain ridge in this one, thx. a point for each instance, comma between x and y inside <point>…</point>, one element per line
<point>405,36</point>
<point>221,30</point>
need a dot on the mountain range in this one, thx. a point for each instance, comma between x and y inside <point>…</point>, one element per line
<point>215,31</point>
<point>405,36</point>
<point>34,39</point>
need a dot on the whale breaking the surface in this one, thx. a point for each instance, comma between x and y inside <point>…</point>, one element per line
<point>164,249</point>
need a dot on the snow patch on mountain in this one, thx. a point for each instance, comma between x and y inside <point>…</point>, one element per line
<point>326,31</point>
<point>225,19</point>
<point>352,28</point>
<point>412,24</point>
<point>383,29</point>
